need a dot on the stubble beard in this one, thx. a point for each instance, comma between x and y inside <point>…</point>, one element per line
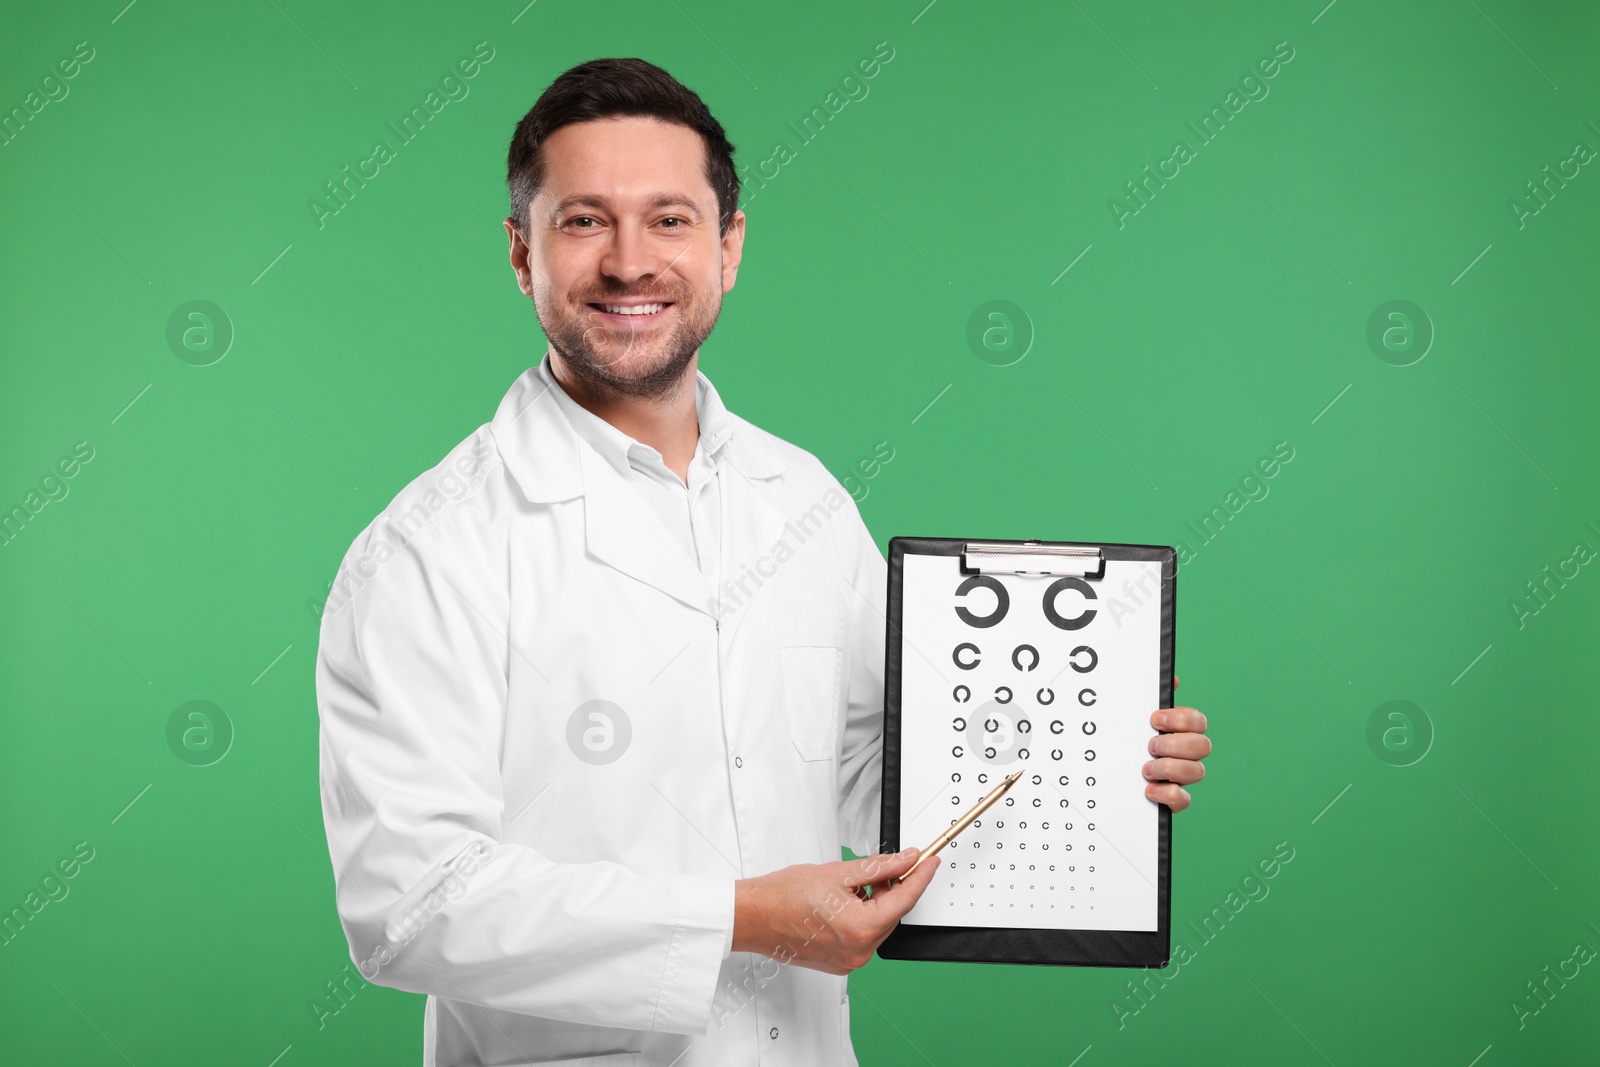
<point>603,367</point>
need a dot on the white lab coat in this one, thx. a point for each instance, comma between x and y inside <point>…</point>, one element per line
<point>561,910</point>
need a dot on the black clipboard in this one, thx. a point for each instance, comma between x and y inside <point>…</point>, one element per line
<point>1070,561</point>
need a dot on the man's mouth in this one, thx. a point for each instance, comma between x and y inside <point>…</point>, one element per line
<point>633,312</point>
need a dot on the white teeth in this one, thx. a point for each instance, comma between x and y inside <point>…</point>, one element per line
<point>641,309</point>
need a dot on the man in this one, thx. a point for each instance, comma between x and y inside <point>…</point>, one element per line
<point>601,693</point>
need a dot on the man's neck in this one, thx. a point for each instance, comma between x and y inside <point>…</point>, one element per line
<point>670,424</point>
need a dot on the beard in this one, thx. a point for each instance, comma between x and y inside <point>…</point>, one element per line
<point>617,361</point>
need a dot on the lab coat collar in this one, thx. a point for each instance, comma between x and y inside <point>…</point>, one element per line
<point>536,442</point>
<point>551,461</point>
<point>620,450</point>
<point>541,448</point>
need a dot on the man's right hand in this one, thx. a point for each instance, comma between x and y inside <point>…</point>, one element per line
<point>827,916</point>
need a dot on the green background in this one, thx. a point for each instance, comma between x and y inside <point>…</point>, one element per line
<point>1230,314</point>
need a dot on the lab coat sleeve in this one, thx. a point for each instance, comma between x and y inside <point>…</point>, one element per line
<point>411,690</point>
<point>861,753</point>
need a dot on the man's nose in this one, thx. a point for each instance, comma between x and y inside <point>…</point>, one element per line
<point>630,255</point>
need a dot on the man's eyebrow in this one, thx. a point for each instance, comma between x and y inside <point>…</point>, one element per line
<point>656,201</point>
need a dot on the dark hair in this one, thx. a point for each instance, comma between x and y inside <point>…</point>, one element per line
<point>602,88</point>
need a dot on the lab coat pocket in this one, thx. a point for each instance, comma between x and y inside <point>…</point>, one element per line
<point>811,647</point>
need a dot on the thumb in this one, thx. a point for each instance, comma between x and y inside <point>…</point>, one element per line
<point>879,867</point>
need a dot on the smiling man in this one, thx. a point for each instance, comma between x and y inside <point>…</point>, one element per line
<point>595,730</point>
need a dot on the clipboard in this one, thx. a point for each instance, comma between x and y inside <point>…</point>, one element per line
<point>1048,655</point>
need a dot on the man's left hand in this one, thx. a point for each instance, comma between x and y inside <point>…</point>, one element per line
<point>1178,751</point>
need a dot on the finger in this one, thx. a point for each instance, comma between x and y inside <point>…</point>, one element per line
<point>881,885</point>
<point>920,862</point>
<point>901,896</point>
<point>928,861</point>
<point>1175,681</point>
<point>1173,796</point>
<point>1167,769</point>
<point>878,867</point>
<point>927,864</point>
<point>1184,746</point>
<point>1185,720</point>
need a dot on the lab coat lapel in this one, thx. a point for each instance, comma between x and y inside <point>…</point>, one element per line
<point>621,530</point>
<point>536,441</point>
<point>550,463</point>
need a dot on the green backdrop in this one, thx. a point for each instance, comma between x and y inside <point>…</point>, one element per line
<point>1428,543</point>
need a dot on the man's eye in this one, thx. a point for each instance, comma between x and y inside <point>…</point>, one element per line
<point>580,218</point>
<point>674,218</point>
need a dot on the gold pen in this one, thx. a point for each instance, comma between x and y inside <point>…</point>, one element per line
<point>961,824</point>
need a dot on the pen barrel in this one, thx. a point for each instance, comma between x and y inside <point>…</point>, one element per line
<point>961,824</point>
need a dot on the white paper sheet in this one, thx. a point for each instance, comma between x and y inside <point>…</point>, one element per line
<point>1076,856</point>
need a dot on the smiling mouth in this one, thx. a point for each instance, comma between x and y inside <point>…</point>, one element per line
<point>633,314</point>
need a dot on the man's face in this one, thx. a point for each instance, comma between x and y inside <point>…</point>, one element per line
<point>626,222</point>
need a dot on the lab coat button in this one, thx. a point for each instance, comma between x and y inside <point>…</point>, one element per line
<point>738,761</point>
<point>774,1034</point>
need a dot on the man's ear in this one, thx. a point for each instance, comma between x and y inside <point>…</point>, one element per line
<point>732,250</point>
<point>520,255</point>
